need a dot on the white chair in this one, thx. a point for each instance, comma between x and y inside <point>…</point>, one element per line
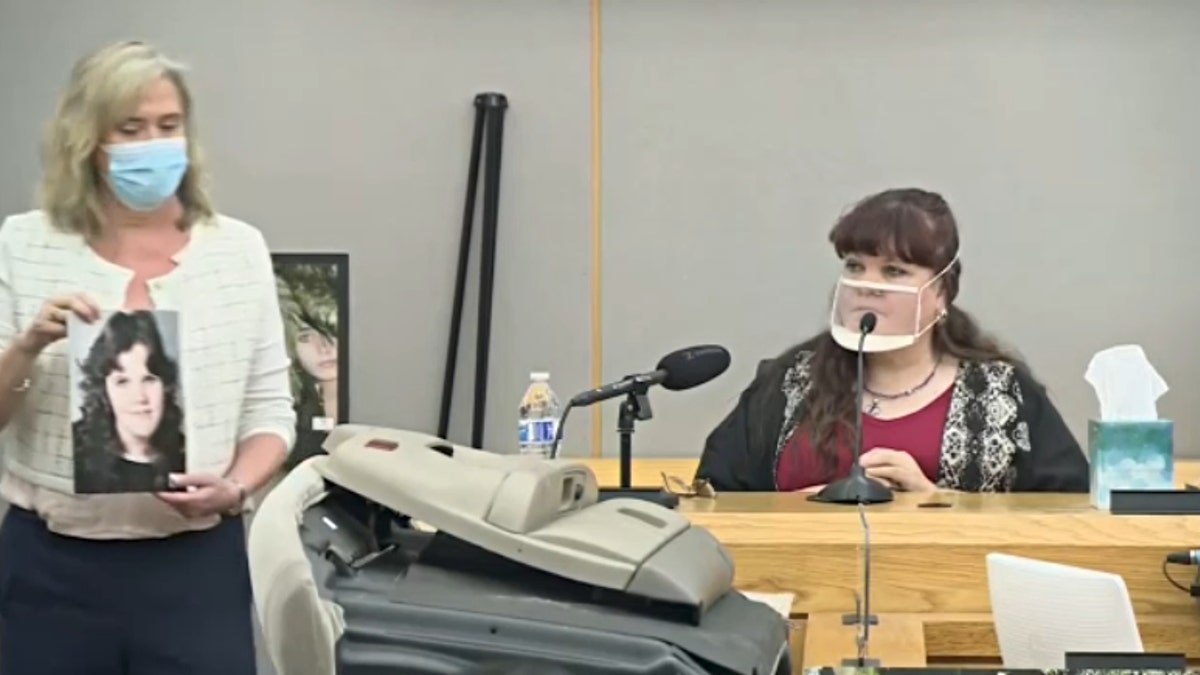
<point>299,627</point>
<point>1043,610</point>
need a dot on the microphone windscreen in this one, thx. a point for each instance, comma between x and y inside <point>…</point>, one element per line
<point>867,323</point>
<point>693,366</point>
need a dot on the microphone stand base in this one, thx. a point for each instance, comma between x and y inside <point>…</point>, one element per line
<point>654,495</point>
<point>854,489</point>
<point>855,619</point>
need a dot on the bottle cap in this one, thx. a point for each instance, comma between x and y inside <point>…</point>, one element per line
<point>539,376</point>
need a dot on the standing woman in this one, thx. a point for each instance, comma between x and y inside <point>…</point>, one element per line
<point>153,583</point>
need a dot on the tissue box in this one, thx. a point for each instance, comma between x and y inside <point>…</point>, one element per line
<point>1130,456</point>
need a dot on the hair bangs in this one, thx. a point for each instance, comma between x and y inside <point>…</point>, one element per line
<point>889,231</point>
<point>122,89</point>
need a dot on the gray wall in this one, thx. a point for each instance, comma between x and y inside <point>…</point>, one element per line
<point>346,126</point>
<point>1063,133</point>
<point>734,132</point>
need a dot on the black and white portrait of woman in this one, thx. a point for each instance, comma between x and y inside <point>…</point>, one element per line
<point>128,427</point>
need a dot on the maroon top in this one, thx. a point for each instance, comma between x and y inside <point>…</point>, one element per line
<point>918,433</point>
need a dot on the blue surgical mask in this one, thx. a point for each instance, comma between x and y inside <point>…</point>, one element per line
<point>144,174</point>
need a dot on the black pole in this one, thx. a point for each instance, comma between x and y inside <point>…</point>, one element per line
<point>489,130</point>
<point>635,408</point>
<point>460,278</point>
<point>495,104</point>
<point>625,423</point>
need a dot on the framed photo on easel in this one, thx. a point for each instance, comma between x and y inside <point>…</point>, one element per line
<point>314,298</point>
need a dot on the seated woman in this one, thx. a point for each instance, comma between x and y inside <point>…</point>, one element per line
<point>944,406</point>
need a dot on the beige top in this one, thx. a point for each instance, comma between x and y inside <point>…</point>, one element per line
<point>232,358</point>
<point>134,516</point>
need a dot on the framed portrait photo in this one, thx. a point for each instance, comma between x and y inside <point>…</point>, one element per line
<point>314,299</point>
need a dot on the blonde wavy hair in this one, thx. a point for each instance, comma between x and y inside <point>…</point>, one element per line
<point>104,89</point>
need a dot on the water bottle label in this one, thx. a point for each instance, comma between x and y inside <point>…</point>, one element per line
<point>523,433</point>
<point>544,431</point>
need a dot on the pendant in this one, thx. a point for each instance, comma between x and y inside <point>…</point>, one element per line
<point>873,409</point>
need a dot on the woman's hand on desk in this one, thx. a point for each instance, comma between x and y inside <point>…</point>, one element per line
<point>896,469</point>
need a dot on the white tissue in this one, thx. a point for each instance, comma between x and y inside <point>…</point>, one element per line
<point>780,602</point>
<point>1126,384</point>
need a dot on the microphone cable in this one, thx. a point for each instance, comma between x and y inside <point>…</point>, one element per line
<point>558,432</point>
<point>865,642</point>
<point>1166,572</point>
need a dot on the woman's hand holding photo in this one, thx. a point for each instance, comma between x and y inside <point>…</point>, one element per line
<point>50,325</point>
<point>203,494</point>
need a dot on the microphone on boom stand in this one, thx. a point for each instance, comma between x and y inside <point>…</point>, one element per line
<point>857,488</point>
<point>679,370</point>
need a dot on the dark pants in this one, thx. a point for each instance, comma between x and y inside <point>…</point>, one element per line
<point>174,606</point>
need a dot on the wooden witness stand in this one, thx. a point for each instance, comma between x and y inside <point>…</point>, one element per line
<point>929,578</point>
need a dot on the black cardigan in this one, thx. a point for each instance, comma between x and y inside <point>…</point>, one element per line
<point>1003,434</point>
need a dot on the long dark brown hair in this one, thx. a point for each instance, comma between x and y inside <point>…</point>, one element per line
<point>916,227</point>
<point>96,430</point>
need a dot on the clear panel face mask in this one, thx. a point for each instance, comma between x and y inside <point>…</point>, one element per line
<point>897,308</point>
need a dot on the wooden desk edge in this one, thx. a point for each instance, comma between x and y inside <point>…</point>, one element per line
<point>897,641</point>
<point>647,471</point>
<point>915,640</point>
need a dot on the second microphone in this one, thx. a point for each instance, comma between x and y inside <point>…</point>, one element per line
<point>679,370</point>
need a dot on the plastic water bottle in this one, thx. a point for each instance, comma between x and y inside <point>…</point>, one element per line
<point>538,416</point>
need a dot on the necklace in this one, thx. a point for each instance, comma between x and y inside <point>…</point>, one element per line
<point>877,398</point>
